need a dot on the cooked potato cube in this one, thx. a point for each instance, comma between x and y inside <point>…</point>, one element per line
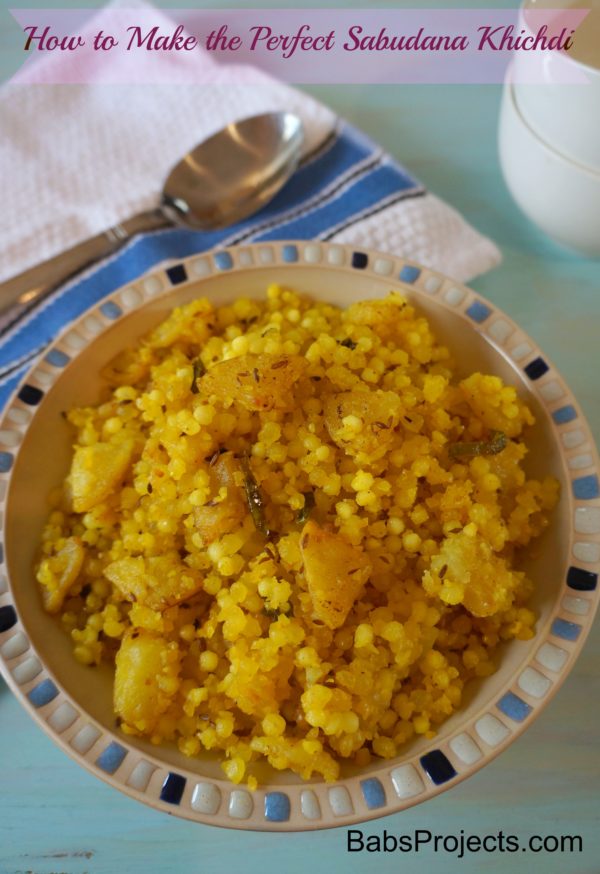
<point>59,572</point>
<point>157,583</point>
<point>96,470</point>
<point>466,571</point>
<point>220,516</point>
<point>335,572</point>
<point>142,662</point>
<point>362,421</point>
<point>257,382</point>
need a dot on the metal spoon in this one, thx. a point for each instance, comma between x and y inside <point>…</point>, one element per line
<point>223,180</point>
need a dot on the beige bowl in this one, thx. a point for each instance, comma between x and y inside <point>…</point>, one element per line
<point>73,703</point>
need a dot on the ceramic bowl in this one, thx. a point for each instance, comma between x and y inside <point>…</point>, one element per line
<point>561,196</point>
<point>72,703</point>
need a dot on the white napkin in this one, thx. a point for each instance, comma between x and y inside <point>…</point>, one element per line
<point>77,159</point>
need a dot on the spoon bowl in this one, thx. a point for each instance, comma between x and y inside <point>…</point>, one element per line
<point>233,173</point>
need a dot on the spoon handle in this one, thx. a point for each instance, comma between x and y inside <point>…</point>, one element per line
<point>39,281</point>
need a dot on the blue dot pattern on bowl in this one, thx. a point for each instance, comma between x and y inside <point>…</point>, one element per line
<point>111,310</point>
<point>176,274</point>
<point>359,260</point>
<point>223,260</point>
<point>8,617</point>
<point>514,707</point>
<point>438,767</point>
<point>585,488</point>
<point>110,758</point>
<point>536,368</point>
<point>57,358</point>
<point>172,788</point>
<point>409,274</point>
<point>30,395</point>
<point>43,693</point>
<point>581,580</point>
<point>478,311</point>
<point>564,415</point>
<point>566,630</point>
<point>289,254</point>
<point>277,807</point>
<point>6,461</point>
<point>373,792</point>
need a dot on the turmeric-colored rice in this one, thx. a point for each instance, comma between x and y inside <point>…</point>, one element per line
<point>290,528</point>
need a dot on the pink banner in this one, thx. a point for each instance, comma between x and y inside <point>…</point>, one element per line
<point>341,46</point>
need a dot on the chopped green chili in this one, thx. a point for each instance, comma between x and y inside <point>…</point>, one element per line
<point>199,370</point>
<point>254,498</point>
<point>493,446</point>
<point>277,612</point>
<point>309,505</point>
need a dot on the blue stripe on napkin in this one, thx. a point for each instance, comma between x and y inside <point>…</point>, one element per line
<point>379,185</point>
<point>343,182</point>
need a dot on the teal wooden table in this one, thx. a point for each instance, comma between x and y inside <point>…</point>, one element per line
<point>57,819</point>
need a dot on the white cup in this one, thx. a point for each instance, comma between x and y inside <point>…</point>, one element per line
<point>561,196</point>
<point>566,116</point>
<point>549,136</point>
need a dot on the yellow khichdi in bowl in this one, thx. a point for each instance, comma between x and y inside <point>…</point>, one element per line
<point>299,555</point>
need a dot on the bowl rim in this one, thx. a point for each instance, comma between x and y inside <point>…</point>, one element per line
<point>395,785</point>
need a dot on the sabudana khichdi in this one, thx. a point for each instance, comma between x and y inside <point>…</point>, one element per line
<point>293,531</point>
